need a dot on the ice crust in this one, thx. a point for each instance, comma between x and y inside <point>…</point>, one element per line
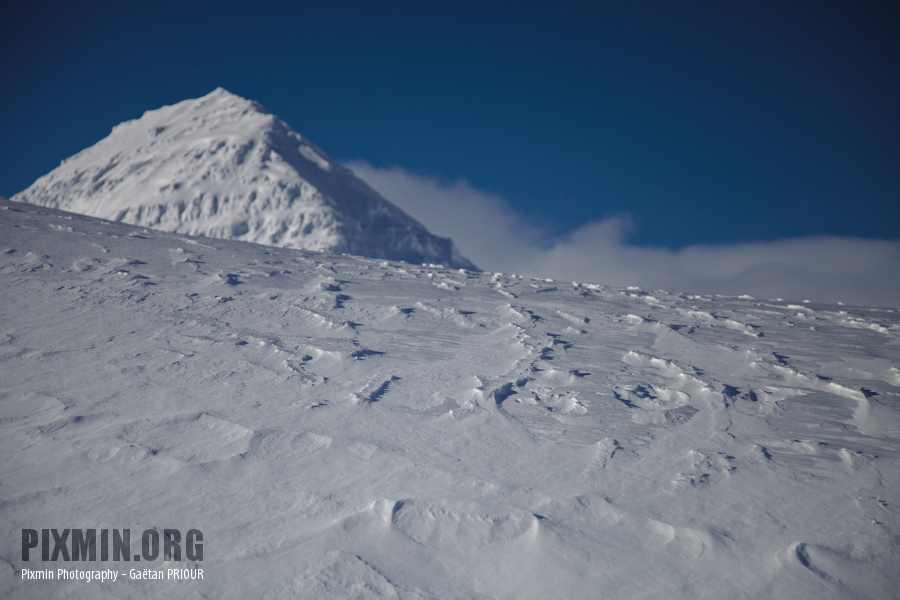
<point>343,427</point>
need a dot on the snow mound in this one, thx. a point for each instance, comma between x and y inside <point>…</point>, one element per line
<point>222,166</point>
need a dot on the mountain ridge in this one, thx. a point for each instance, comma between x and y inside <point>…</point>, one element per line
<point>223,166</point>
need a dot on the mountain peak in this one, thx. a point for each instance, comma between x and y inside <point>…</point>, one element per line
<point>220,91</point>
<point>223,166</point>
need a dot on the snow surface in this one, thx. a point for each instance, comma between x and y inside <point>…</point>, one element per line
<point>222,166</point>
<point>342,427</point>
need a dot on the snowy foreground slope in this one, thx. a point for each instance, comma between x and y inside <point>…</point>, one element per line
<point>341,427</point>
<point>222,166</point>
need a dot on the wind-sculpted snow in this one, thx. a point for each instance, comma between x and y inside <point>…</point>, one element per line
<point>222,166</point>
<point>342,427</point>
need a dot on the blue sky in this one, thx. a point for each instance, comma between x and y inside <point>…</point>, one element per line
<point>688,123</point>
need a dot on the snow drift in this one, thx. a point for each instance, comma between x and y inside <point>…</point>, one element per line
<point>342,427</point>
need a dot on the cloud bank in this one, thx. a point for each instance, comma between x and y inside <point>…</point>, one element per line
<point>490,233</point>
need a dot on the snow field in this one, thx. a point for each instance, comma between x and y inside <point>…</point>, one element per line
<point>347,427</point>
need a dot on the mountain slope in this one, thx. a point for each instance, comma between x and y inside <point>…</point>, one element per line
<point>222,166</point>
<point>341,427</point>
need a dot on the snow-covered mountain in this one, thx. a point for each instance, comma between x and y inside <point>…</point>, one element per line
<point>222,166</point>
<point>342,427</point>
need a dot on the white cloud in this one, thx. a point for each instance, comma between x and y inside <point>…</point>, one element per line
<point>490,233</point>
